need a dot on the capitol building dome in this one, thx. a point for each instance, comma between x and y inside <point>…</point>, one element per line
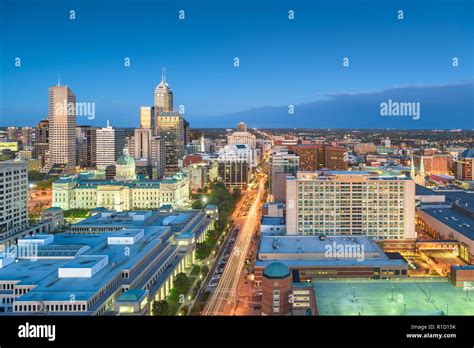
<point>125,167</point>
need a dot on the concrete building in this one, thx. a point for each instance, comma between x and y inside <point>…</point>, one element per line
<point>146,117</point>
<point>82,192</point>
<point>311,258</point>
<point>27,137</point>
<point>105,149</point>
<point>41,146</point>
<point>465,165</point>
<point>353,203</point>
<point>200,174</point>
<point>173,129</point>
<point>314,157</point>
<point>234,165</point>
<point>62,127</point>
<point>281,165</point>
<point>86,138</point>
<point>364,148</point>
<point>276,289</point>
<point>245,138</point>
<point>87,272</point>
<point>13,198</point>
<point>433,162</point>
<point>448,215</point>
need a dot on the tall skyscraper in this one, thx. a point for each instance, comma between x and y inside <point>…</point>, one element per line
<point>163,98</point>
<point>86,137</point>
<point>173,129</point>
<point>146,117</point>
<point>41,147</point>
<point>142,144</point>
<point>158,157</point>
<point>27,134</point>
<point>62,127</point>
<point>105,151</point>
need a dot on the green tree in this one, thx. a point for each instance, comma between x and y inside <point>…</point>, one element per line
<point>204,271</point>
<point>182,283</point>
<point>161,308</point>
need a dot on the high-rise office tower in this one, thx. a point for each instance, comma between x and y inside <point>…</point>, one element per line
<point>41,147</point>
<point>173,129</point>
<point>105,149</point>
<point>146,117</point>
<point>27,134</point>
<point>62,127</point>
<point>120,141</point>
<point>353,203</point>
<point>142,144</point>
<point>158,157</point>
<point>12,134</point>
<point>163,98</point>
<point>86,137</point>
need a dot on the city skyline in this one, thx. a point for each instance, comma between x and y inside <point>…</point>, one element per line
<point>405,52</point>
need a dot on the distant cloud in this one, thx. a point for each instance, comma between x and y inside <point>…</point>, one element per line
<point>442,106</point>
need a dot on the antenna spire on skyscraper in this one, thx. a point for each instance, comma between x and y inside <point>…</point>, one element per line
<point>59,79</point>
<point>163,74</point>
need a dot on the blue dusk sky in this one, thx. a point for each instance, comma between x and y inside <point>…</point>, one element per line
<point>282,61</point>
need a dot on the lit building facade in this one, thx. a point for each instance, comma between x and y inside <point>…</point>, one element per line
<point>105,151</point>
<point>354,203</point>
<point>85,193</point>
<point>62,127</point>
<point>13,197</point>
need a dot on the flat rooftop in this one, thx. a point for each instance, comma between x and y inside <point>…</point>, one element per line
<point>457,221</point>
<point>312,244</point>
<point>44,272</point>
<point>375,298</point>
<point>270,220</point>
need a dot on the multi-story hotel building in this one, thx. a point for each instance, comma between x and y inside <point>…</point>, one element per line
<point>354,203</point>
<point>13,197</point>
<point>62,127</point>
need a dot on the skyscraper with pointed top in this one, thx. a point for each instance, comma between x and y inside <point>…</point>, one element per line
<point>163,95</point>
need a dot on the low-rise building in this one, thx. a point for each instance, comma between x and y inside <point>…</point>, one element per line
<point>82,192</point>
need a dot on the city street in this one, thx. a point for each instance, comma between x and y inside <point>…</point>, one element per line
<point>225,297</point>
